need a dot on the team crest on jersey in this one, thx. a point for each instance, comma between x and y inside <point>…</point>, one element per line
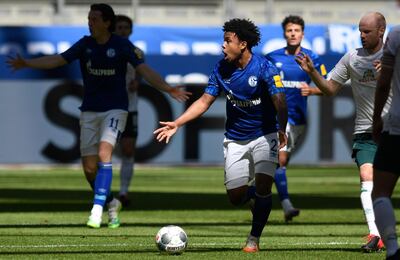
<point>368,76</point>
<point>278,64</point>
<point>88,51</point>
<point>252,81</point>
<point>110,53</point>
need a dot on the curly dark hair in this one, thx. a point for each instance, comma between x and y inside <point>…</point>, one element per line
<point>245,30</point>
<point>295,19</point>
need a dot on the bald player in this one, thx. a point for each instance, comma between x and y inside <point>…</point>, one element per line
<point>362,67</point>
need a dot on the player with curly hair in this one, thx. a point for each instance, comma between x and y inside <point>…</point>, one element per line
<point>254,103</point>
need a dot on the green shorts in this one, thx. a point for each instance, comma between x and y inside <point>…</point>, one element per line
<point>364,149</point>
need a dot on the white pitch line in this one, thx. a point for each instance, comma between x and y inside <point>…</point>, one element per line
<point>146,245</point>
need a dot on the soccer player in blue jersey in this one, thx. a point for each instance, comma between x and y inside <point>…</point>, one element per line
<point>103,58</point>
<point>296,85</point>
<point>254,102</point>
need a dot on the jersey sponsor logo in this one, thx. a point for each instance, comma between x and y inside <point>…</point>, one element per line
<point>252,81</point>
<point>279,65</point>
<point>99,72</point>
<point>291,84</point>
<point>278,81</point>
<point>110,53</point>
<point>243,103</point>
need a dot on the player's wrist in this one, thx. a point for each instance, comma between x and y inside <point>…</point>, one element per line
<point>280,131</point>
<point>313,69</point>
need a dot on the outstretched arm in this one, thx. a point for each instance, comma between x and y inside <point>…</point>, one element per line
<point>159,83</point>
<point>328,87</point>
<point>200,106</point>
<point>44,62</point>
<point>279,101</point>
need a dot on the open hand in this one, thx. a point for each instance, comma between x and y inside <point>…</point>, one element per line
<point>282,139</point>
<point>166,132</point>
<point>179,94</point>
<point>305,62</point>
<point>16,63</point>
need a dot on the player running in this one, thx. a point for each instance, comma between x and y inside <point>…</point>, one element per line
<point>254,102</point>
<point>296,85</point>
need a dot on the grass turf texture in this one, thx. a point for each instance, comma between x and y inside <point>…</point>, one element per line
<point>43,215</point>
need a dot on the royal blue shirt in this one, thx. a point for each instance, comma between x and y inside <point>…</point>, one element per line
<point>249,108</point>
<point>103,68</point>
<point>292,75</point>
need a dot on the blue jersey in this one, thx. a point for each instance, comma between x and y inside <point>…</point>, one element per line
<point>103,68</point>
<point>249,108</point>
<point>292,75</point>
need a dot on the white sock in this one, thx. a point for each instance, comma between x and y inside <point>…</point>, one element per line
<point>286,205</point>
<point>126,174</point>
<point>366,202</point>
<point>386,222</point>
<point>96,211</point>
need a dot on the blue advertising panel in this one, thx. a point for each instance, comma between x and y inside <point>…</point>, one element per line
<point>45,101</point>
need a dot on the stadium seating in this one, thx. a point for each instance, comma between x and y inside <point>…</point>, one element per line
<point>194,12</point>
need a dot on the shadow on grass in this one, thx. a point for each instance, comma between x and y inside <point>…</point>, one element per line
<point>31,200</point>
<point>192,250</point>
<point>190,224</point>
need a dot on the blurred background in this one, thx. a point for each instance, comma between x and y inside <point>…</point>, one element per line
<point>194,12</point>
<point>182,41</point>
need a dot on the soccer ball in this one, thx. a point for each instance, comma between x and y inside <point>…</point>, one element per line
<point>171,239</point>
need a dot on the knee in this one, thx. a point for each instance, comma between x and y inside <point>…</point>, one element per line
<point>104,155</point>
<point>128,151</point>
<point>236,196</point>
<point>89,166</point>
<point>236,201</point>
<point>90,171</point>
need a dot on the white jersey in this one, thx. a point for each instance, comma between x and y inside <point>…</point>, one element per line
<point>132,95</point>
<point>357,65</point>
<point>392,122</point>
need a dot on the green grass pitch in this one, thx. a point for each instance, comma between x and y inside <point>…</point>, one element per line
<point>43,214</point>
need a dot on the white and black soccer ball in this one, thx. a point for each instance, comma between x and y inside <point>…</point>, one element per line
<point>171,239</point>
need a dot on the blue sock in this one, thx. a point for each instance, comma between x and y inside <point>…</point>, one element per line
<point>110,195</point>
<point>281,183</point>
<point>262,208</point>
<point>102,183</point>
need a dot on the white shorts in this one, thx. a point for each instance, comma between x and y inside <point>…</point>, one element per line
<point>294,133</point>
<point>100,126</point>
<point>245,158</point>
